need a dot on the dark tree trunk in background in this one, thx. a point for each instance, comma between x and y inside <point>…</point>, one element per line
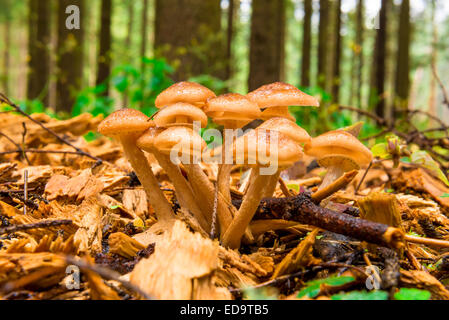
<point>70,51</point>
<point>38,50</point>
<point>104,54</point>
<point>433,61</point>
<point>232,11</point>
<point>323,43</point>
<point>6,47</point>
<point>359,50</point>
<point>129,37</point>
<point>338,52</point>
<point>144,30</point>
<point>267,42</point>
<point>306,43</point>
<point>402,83</point>
<point>188,36</point>
<point>377,94</point>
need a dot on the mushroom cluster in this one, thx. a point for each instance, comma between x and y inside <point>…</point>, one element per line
<point>172,136</point>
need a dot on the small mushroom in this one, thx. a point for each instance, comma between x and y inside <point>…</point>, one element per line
<point>232,111</point>
<point>183,189</point>
<point>180,114</point>
<point>275,98</point>
<point>250,149</point>
<point>126,125</point>
<point>291,130</point>
<point>338,151</point>
<point>188,92</point>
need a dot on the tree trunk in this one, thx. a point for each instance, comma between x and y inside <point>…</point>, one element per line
<point>267,42</point>
<point>323,42</point>
<point>306,43</point>
<point>359,44</point>
<point>6,46</point>
<point>187,35</point>
<point>402,83</point>
<point>433,62</point>
<point>129,37</point>
<point>38,50</point>
<point>377,94</point>
<point>144,30</point>
<point>104,54</point>
<point>338,51</point>
<point>70,51</point>
<point>232,10</point>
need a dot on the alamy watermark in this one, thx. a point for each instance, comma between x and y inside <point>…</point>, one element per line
<point>73,21</point>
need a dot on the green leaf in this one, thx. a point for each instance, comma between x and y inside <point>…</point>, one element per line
<point>412,294</point>
<point>313,287</point>
<point>257,294</point>
<point>445,195</point>
<point>381,151</point>
<point>423,159</point>
<point>362,295</point>
<point>293,187</point>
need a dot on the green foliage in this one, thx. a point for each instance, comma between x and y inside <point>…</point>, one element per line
<point>362,295</point>
<point>258,294</point>
<point>412,294</point>
<point>138,87</point>
<point>215,84</point>
<point>445,195</point>
<point>313,287</point>
<point>394,149</point>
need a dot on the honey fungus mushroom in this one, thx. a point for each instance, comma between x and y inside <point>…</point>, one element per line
<point>188,92</point>
<point>232,111</point>
<point>275,98</point>
<point>339,152</point>
<point>180,114</point>
<point>260,149</point>
<point>291,130</point>
<point>183,189</point>
<point>126,125</point>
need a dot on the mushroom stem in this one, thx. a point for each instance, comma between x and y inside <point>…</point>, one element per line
<point>140,164</point>
<point>206,190</point>
<point>184,191</point>
<point>233,235</point>
<point>271,186</point>
<point>333,173</point>
<point>224,170</point>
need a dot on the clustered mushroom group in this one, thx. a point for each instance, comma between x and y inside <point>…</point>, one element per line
<point>186,106</point>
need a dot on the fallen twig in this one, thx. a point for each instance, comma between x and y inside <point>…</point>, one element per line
<point>37,225</point>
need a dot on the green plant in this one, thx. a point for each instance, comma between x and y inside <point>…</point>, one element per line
<point>362,295</point>
<point>412,294</point>
<point>313,287</point>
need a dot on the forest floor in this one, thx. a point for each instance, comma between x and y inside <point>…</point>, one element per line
<point>61,211</point>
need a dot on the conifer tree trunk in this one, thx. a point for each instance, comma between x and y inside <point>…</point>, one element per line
<point>306,44</point>
<point>104,54</point>
<point>402,83</point>
<point>267,42</point>
<point>70,53</point>
<point>38,50</point>
<point>6,48</point>
<point>188,36</point>
<point>323,41</point>
<point>338,52</point>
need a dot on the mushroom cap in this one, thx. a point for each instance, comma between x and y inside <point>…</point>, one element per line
<point>281,94</point>
<point>146,140</point>
<point>190,92</point>
<point>186,141</point>
<point>232,109</point>
<point>167,116</point>
<point>347,164</point>
<point>334,145</point>
<point>125,121</point>
<point>288,128</point>
<point>254,148</point>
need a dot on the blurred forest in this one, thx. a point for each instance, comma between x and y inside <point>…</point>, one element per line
<point>379,56</point>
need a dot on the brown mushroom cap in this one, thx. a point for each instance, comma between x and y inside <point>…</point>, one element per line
<point>180,114</point>
<point>232,110</point>
<point>146,140</point>
<point>331,147</point>
<point>253,148</point>
<point>189,142</point>
<point>288,128</point>
<point>281,94</point>
<point>190,92</point>
<point>125,121</point>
